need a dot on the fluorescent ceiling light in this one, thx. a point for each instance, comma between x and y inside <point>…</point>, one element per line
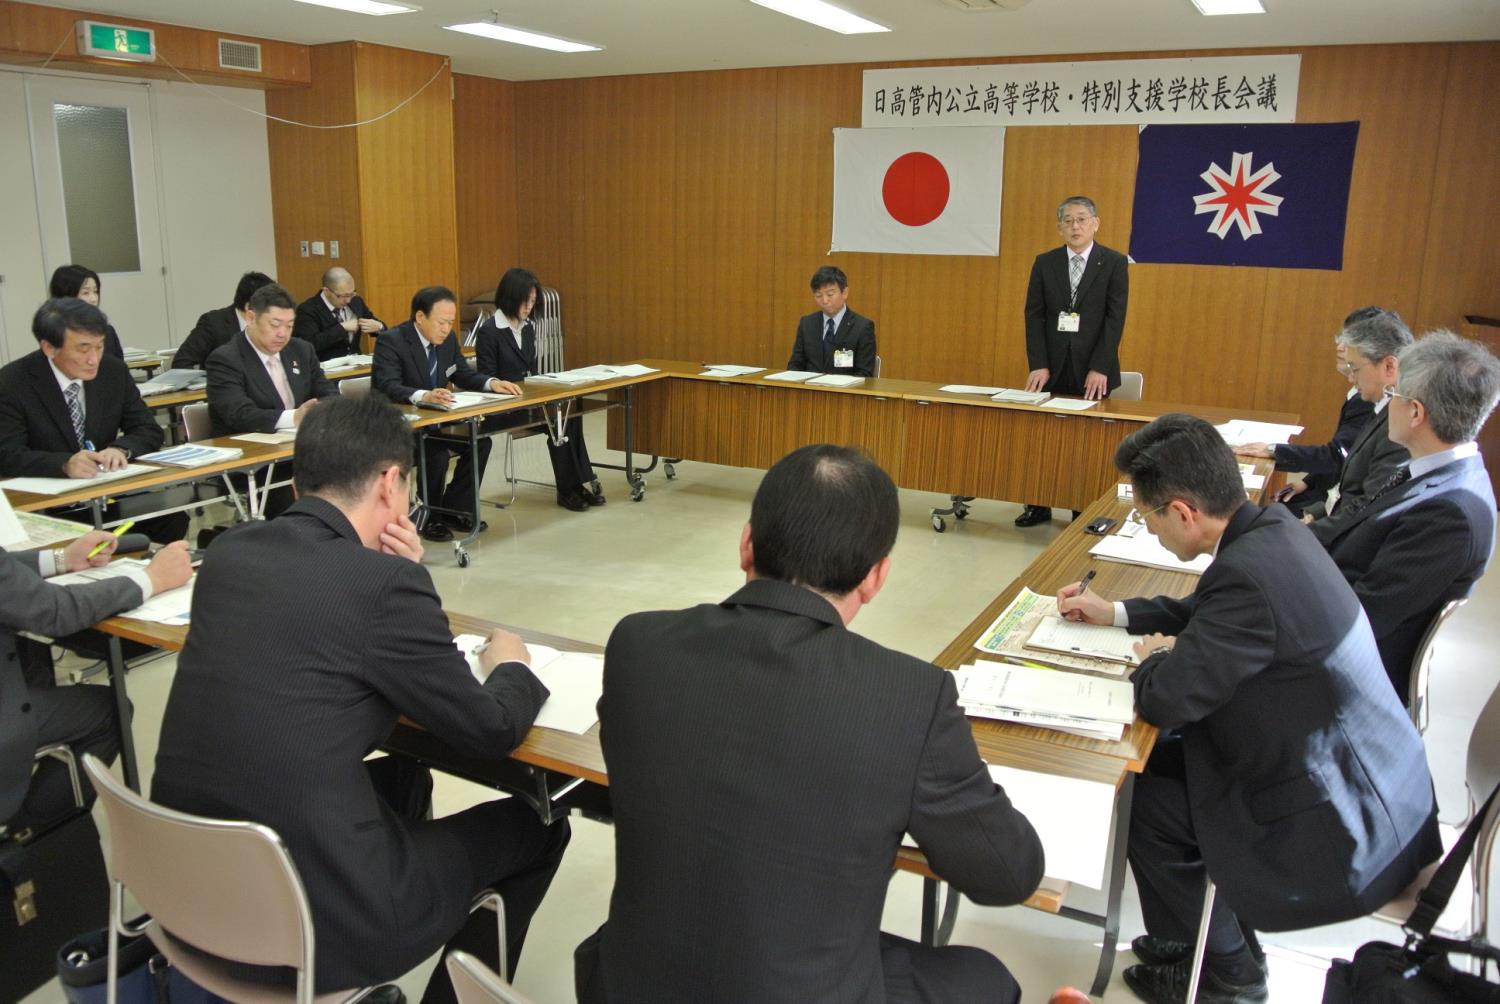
<point>1229,6</point>
<point>824,15</point>
<point>365,6</point>
<point>504,33</point>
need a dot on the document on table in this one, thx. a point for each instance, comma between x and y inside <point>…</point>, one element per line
<point>12,534</point>
<point>792,376</point>
<point>605,372</point>
<point>347,363</point>
<point>44,531</point>
<point>474,398</point>
<point>1239,431</point>
<point>968,388</point>
<point>729,370</point>
<point>62,486</point>
<point>1072,818</point>
<point>268,438</point>
<point>566,378</point>
<point>1011,396</point>
<point>575,679</point>
<point>170,607</point>
<point>1069,404</point>
<point>1140,548</point>
<point>1007,636</point>
<point>1048,691</point>
<point>192,455</point>
<point>836,380</point>
<point>1055,634</point>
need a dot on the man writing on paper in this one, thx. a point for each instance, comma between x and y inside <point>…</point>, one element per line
<point>333,319</point>
<point>68,410</point>
<point>415,362</point>
<point>1296,782</point>
<point>776,758</point>
<point>1425,537</point>
<point>312,634</point>
<point>833,339</point>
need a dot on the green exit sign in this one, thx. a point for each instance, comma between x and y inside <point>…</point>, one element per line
<point>116,41</point>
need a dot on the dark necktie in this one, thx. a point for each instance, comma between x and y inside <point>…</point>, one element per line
<point>431,366</point>
<point>75,410</point>
<point>828,336</point>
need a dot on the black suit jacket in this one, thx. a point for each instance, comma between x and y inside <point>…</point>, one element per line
<point>764,763</point>
<point>496,354</point>
<point>36,432</point>
<point>1413,549</point>
<point>315,323</point>
<point>1372,460</point>
<point>400,368</point>
<point>241,396</point>
<point>305,648</point>
<point>855,332</point>
<point>1323,462</point>
<point>1308,784</point>
<point>1103,295</point>
<point>214,328</point>
<point>112,345</point>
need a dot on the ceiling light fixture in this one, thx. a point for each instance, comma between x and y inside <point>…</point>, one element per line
<point>824,15</point>
<point>517,36</point>
<point>1213,7</point>
<point>365,6</point>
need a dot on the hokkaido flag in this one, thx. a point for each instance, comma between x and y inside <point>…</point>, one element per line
<point>918,191</point>
<point>1270,195</point>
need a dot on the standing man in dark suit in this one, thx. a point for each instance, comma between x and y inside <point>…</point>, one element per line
<point>34,712</point>
<point>264,380</point>
<point>311,634</point>
<point>776,758</point>
<point>217,327</point>
<point>1371,348</point>
<point>505,347</point>
<point>1075,316</point>
<point>834,339</point>
<point>1428,536</point>
<point>1296,783</point>
<point>70,410</point>
<point>414,363</point>
<point>334,317</point>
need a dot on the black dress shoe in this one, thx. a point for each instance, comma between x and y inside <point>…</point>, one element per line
<point>463,524</point>
<point>574,501</point>
<point>1160,951</point>
<point>388,994</point>
<point>592,498</point>
<point>1169,985</point>
<point>1034,515</point>
<point>437,531</point>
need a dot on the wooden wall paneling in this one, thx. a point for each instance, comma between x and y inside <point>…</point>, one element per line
<point>1460,274</point>
<point>723,214</point>
<point>486,134</point>
<point>811,102</point>
<point>1391,90</point>
<point>406,184</point>
<point>315,172</point>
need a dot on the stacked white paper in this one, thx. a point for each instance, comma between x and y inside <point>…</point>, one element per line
<point>1240,431</point>
<point>1052,698</point>
<point>729,370</point>
<point>1142,548</point>
<point>792,376</point>
<point>835,380</point>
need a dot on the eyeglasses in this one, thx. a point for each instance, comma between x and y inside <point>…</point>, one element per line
<point>1069,221</point>
<point>1390,392</point>
<point>344,296</point>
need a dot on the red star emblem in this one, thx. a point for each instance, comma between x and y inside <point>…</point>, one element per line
<point>1238,196</point>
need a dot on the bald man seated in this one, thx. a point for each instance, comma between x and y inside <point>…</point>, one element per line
<point>335,317</point>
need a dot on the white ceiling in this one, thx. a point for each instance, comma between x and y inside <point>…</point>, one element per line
<point>652,36</point>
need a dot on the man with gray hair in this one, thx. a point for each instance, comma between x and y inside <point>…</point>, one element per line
<point>335,317</point>
<point>1427,535</point>
<point>1369,348</point>
<point>1075,316</point>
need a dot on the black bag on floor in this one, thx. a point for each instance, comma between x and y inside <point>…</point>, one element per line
<point>1421,971</point>
<point>145,976</point>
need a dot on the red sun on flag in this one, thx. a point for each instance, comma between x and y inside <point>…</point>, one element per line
<point>915,189</point>
<point>1239,195</point>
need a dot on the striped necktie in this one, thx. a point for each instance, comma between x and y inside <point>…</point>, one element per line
<point>1075,272</point>
<point>75,410</point>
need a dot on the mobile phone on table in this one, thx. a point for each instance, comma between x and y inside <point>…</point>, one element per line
<point>1100,526</point>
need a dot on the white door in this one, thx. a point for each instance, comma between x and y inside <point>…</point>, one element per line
<point>94,161</point>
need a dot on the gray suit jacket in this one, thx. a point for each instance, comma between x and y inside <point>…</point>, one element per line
<point>1372,460</point>
<point>1308,784</point>
<point>764,763</point>
<point>28,603</point>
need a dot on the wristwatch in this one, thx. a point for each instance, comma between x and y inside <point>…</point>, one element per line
<point>1159,650</point>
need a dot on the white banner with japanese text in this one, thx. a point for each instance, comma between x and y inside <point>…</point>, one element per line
<point>1172,91</point>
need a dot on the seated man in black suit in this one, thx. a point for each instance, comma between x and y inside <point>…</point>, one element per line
<point>312,634</point>
<point>216,327</point>
<point>414,363</point>
<point>1320,464</point>
<point>764,762</point>
<point>1296,782</point>
<point>505,347</point>
<point>1428,536</point>
<point>834,339</point>
<point>70,410</point>
<point>263,379</point>
<point>1371,348</point>
<point>33,711</point>
<point>334,317</point>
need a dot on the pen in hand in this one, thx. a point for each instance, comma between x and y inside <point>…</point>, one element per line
<point>1083,587</point>
<point>118,531</point>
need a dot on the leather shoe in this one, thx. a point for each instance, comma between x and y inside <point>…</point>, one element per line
<point>464,523</point>
<point>1034,515</point>
<point>387,994</point>
<point>1168,984</point>
<point>437,531</point>
<point>592,498</point>
<point>1154,951</point>
<point>573,500</point>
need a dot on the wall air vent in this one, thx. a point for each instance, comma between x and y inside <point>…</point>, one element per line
<point>237,55</point>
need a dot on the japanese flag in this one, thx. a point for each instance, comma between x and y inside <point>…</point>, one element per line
<point>918,191</point>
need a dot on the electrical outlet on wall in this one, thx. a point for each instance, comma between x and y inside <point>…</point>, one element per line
<point>317,247</point>
<point>333,249</point>
<point>302,246</point>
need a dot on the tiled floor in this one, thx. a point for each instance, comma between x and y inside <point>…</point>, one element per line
<point>576,574</point>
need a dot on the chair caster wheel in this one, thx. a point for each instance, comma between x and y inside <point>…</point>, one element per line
<point>462,554</point>
<point>939,524</point>
<point>670,470</point>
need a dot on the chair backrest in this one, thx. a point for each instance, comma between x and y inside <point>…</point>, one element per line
<point>355,387</point>
<point>877,368</point>
<point>196,423</point>
<point>546,321</point>
<point>476,983</point>
<point>1421,666</point>
<point>1481,774</point>
<point>228,888</point>
<point>1130,387</point>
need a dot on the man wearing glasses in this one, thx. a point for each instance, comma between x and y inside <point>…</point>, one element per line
<point>334,318</point>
